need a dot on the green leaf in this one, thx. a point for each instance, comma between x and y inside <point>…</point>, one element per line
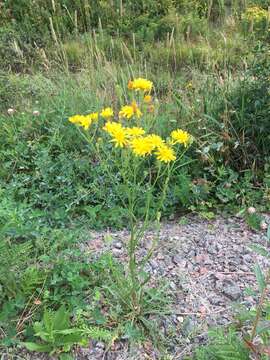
<point>67,331</point>
<point>47,320</point>
<point>61,319</point>
<point>41,332</point>
<point>260,250</point>
<point>71,339</point>
<point>37,347</point>
<point>260,277</point>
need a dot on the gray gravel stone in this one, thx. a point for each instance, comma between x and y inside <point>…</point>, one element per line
<point>231,290</point>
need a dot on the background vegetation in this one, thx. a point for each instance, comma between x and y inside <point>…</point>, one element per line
<point>209,61</point>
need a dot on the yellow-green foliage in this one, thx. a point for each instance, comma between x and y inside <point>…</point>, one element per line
<point>256,19</point>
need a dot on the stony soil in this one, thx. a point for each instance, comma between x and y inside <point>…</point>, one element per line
<point>207,264</point>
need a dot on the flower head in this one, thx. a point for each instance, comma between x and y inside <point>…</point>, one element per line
<point>128,111</point>
<point>136,109</point>
<point>93,116</point>
<point>107,113</point>
<point>141,146</point>
<point>81,120</point>
<point>154,140</point>
<point>147,99</point>
<point>119,137</point>
<point>134,131</point>
<point>140,84</point>
<point>111,127</point>
<point>180,137</point>
<point>10,111</point>
<point>117,132</point>
<point>165,154</point>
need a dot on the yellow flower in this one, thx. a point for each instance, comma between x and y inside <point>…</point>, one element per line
<point>111,127</point>
<point>81,120</point>
<point>76,119</point>
<point>141,146</point>
<point>154,140</point>
<point>147,99</point>
<point>107,113</point>
<point>86,122</point>
<point>180,137</point>
<point>119,138</point>
<point>134,131</point>
<point>140,84</point>
<point>117,132</point>
<point>165,153</point>
<point>136,109</point>
<point>128,111</point>
<point>93,116</point>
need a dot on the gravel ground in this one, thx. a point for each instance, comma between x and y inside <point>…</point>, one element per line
<point>208,265</point>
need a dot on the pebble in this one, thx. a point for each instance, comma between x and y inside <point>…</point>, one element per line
<point>118,245</point>
<point>231,290</point>
<point>176,259</point>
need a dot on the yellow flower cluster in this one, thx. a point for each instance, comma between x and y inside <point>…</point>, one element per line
<point>255,14</point>
<point>140,84</point>
<point>135,138</point>
<point>143,145</point>
<point>84,120</point>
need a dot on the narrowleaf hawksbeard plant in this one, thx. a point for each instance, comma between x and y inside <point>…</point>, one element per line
<point>129,144</point>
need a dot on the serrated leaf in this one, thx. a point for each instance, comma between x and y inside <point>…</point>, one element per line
<point>61,319</point>
<point>47,320</point>
<point>260,277</point>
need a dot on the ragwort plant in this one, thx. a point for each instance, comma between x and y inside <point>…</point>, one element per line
<point>127,144</point>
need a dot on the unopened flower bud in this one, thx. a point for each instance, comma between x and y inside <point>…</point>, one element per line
<point>251,210</point>
<point>36,113</point>
<point>10,111</point>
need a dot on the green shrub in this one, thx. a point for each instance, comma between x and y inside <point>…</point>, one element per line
<point>247,111</point>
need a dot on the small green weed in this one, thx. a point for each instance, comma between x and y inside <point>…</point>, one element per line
<point>56,333</point>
